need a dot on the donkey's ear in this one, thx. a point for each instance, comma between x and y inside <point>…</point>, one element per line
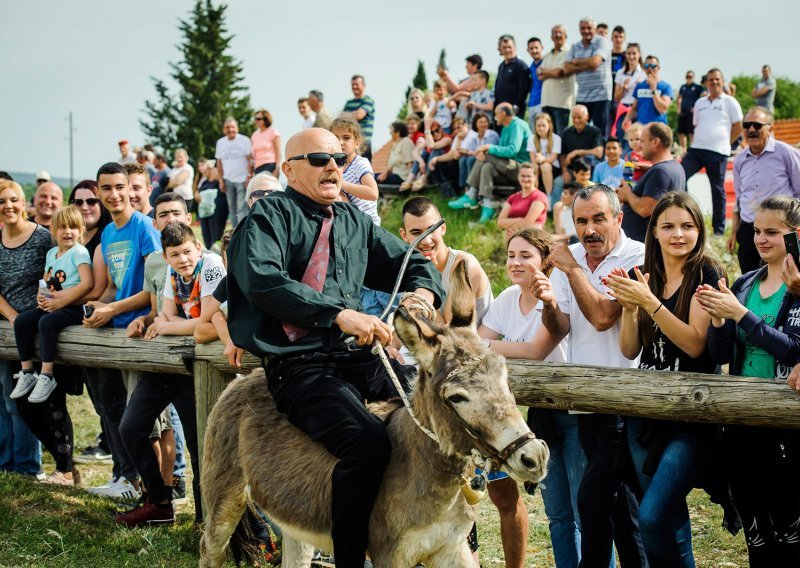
<point>419,334</point>
<point>462,298</point>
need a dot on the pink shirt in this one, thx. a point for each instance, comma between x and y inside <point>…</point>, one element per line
<point>519,206</point>
<point>264,146</point>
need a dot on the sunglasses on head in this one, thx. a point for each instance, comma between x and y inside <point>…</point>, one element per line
<point>321,159</point>
<point>756,125</point>
<point>91,202</point>
<point>650,65</point>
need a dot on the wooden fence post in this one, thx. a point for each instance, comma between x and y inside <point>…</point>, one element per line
<point>208,385</point>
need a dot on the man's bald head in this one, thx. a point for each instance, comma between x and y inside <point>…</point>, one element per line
<point>319,183</point>
<point>47,200</point>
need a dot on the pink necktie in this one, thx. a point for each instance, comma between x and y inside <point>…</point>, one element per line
<point>317,268</point>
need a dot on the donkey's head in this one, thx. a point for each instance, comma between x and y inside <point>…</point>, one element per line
<point>462,392</point>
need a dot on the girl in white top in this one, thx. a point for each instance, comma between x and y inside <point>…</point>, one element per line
<point>629,75</point>
<point>544,147</point>
<point>358,181</point>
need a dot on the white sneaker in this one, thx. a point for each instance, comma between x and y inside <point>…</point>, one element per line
<point>45,385</point>
<point>26,380</point>
<point>106,485</point>
<point>119,489</point>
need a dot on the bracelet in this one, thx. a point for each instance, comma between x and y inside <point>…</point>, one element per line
<point>660,305</point>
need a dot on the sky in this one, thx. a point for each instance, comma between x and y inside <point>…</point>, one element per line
<point>96,58</point>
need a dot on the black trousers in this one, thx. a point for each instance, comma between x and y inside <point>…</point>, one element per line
<point>598,114</point>
<point>51,423</point>
<point>46,326</point>
<point>560,118</point>
<point>152,395</point>
<point>323,394</point>
<point>747,252</point>
<point>109,397</point>
<point>715,165</point>
<point>760,463</point>
<point>608,509</point>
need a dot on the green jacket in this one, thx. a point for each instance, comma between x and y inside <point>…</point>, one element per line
<point>513,141</point>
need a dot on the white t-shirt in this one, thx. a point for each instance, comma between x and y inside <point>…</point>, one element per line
<point>567,222</point>
<point>506,318</point>
<point>556,145</point>
<point>586,344</point>
<point>184,189</point>
<point>636,77</point>
<point>309,122</point>
<point>234,155</point>
<point>472,142</point>
<point>713,121</point>
<point>210,275</point>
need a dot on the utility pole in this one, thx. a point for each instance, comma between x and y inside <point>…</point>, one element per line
<point>71,155</point>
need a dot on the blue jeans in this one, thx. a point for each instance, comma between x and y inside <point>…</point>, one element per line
<point>560,490</point>
<point>236,193</point>
<point>20,451</point>
<point>373,302</point>
<point>465,164</point>
<point>179,470</point>
<point>663,513</point>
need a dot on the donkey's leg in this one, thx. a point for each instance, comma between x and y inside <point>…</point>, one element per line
<point>455,556</point>
<point>295,553</point>
<point>225,506</point>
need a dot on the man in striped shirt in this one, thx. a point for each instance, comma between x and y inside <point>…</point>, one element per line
<point>361,108</point>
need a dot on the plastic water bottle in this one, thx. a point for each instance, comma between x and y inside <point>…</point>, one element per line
<point>44,291</point>
<point>627,174</point>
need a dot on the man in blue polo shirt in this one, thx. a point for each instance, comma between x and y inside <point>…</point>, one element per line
<point>361,108</point>
<point>651,97</point>
<point>535,50</point>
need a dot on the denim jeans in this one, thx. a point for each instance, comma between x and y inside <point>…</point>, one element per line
<point>663,513</point>
<point>465,164</point>
<point>20,451</point>
<point>373,302</point>
<point>237,201</point>
<point>560,490</point>
<point>180,443</point>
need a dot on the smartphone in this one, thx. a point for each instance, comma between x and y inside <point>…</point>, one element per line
<point>88,310</point>
<point>793,247</point>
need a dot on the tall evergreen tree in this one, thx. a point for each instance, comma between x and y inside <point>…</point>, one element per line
<point>420,79</point>
<point>210,87</point>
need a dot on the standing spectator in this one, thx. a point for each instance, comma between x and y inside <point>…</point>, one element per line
<point>609,171</point>
<point>765,168</point>
<point>440,108</point>
<point>717,124</point>
<point>588,60</point>
<point>361,108</point>
<point>181,177</point>
<point>46,201</point>
<point>474,63</point>
<point>579,140</point>
<point>235,166</point>
<point>496,162</point>
<point>126,156</point>
<point>266,144</point>
<point>525,209</point>
<point>309,116</point>
<point>651,98</point>
<point>558,89</point>
<point>212,208</point>
<point>481,99</point>
<point>627,77</point>
<point>513,81</point>
<point>23,248</point>
<point>764,91</point>
<point>398,168</point>
<point>688,95</point>
<point>41,177</point>
<point>664,175</point>
<point>478,135</point>
<point>544,146</point>
<point>754,328</point>
<point>618,49</point>
<point>602,29</point>
<point>665,325</point>
<point>140,188</point>
<point>322,119</point>
<point>535,50</point>
<point>160,178</point>
<point>579,304</point>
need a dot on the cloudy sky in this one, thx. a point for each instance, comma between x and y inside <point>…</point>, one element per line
<point>95,57</point>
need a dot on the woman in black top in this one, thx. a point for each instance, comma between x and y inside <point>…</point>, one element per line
<point>663,323</point>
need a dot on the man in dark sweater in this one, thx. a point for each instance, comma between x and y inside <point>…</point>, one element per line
<point>513,82</point>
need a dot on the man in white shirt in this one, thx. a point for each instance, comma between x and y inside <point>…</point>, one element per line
<point>235,166</point>
<point>309,116</point>
<point>558,89</point>
<point>717,124</point>
<point>581,307</point>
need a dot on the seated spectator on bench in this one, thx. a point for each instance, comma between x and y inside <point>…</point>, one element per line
<point>562,214</point>
<point>437,142</point>
<point>526,209</point>
<point>417,105</point>
<point>442,107</point>
<point>413,123</point>
<point>544,146</point>
<point>477,136</point>
<point>609,171</point>
<point>442,169</point>
<point>579,140</point>
<point>481,99</point>
<point>398,168</point>
<point>496,162</point>
<point>634,154</point>
<point>581,172</point>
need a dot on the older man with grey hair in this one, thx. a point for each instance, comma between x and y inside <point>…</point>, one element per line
<point>235,166</point>
<point>260,186</point>
<point>317,103</point>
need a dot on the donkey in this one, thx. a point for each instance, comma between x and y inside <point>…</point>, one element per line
<point>252,453</point>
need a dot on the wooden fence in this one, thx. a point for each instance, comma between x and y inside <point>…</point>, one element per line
<point>690,397</point>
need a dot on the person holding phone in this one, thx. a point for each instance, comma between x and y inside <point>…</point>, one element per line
<point>755,327</point>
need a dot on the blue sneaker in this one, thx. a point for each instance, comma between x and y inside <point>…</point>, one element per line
<point>486,215</point>
<point>463,202</point>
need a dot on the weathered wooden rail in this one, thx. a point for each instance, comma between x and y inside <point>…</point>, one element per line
<point>689,397</point>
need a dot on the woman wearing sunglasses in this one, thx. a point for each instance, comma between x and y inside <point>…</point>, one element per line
<point>95,216</point>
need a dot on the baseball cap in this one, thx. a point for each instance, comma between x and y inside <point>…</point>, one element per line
<point>121,142</point>
<point>43,175</point>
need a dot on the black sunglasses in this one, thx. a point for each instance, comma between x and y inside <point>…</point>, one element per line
<point>258,118</point>
<point>91,202</point>
<point>435,131</point>
<point>321,159</point>
<point>756,125</point>
<point>259,193</point>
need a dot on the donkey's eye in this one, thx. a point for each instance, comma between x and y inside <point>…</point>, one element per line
<point>457,399</point>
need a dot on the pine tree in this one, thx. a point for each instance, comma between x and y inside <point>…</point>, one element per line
<point>210,88</point>
<point>420,79</point>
